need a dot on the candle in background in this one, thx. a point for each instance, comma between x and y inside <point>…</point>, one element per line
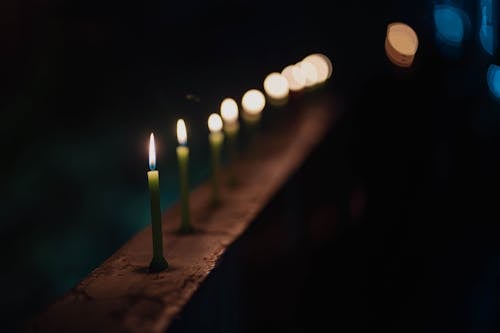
<point>253,103</point>
<point>229,113</point>
<point>183,161</point>
<point>216,138</point>
<point>322,65</point>
<point>158,263</point>
<point>277,89</point>
<point>295,77</point>
<point>309,72</point>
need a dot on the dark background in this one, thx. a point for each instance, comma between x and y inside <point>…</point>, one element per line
<point>416,151</point>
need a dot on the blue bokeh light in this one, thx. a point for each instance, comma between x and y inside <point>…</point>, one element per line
<point>486,29</point>
<point>450,25</point>
<point>493,78</point>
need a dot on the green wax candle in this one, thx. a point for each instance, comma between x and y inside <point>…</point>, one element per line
<point>216,138</point>
<point>253,103</point>
<point>158,263</point>
<point>231,133</point>
<point>229,113</point>
<point>183,160</point>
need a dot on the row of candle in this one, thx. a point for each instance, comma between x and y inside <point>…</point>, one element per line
<point>313,70</point>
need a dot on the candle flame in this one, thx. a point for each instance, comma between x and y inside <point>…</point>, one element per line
<point>152,152</point>
<point>229,110</point>
<point>214,122</point>
<point>181,132</point>
<point>253,101</point>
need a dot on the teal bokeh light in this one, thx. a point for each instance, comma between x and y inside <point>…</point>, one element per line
<point>493,78</point>
<point>450,25</point>
<point>487,27</point>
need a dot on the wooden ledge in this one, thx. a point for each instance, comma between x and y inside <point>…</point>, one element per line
<point>121,296</point>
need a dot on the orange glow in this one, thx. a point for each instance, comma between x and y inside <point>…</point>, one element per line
<point>401,44</point>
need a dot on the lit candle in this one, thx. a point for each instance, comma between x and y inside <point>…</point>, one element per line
<point>229,113</point>
<point>158,263</point>
<point>216,138</point>
<point>276,88</point>
<point>183,160</point>
<point>253,103</point>
<point>309,71</point>
<point>295,77</point>
<point>322,64</point>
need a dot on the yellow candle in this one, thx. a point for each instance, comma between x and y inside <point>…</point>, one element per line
<point>158,263</point>
<point>216,138</point>
<point>183,160</point>
<point>276,88</point>
<point>253,103</point>
<point>229,113</point>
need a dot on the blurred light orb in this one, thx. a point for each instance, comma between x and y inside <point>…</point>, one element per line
<point>214,122</point>
<point>253,101</point>
<point>449,22</point>
<point>328,62</point>
<point>229,110</point>
<point>322,66</point>
<point>310,72</point>
<point>493,78</point>
<point>276,86</point>
<point>401,44</point>
<point>295,77</point>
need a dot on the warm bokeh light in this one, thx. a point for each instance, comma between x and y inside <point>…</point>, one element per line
<point>152,152</point>
<point>181,132</point>
<point>229,110</point>
<point>253,101</point>
<point>276,86</point>
<point>328,63</point>
<point>322,66</point>
<point>309,72</point>
<point>295,78</point>
<point>214,122</point>
<point>493,78</point>
<point>401,44</point>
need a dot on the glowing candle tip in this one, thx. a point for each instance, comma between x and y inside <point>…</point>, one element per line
<point>181,132</point>
<point>152,152</point>
<point>229,110</point>
<point>253,101</point>
<point>214,122</point>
